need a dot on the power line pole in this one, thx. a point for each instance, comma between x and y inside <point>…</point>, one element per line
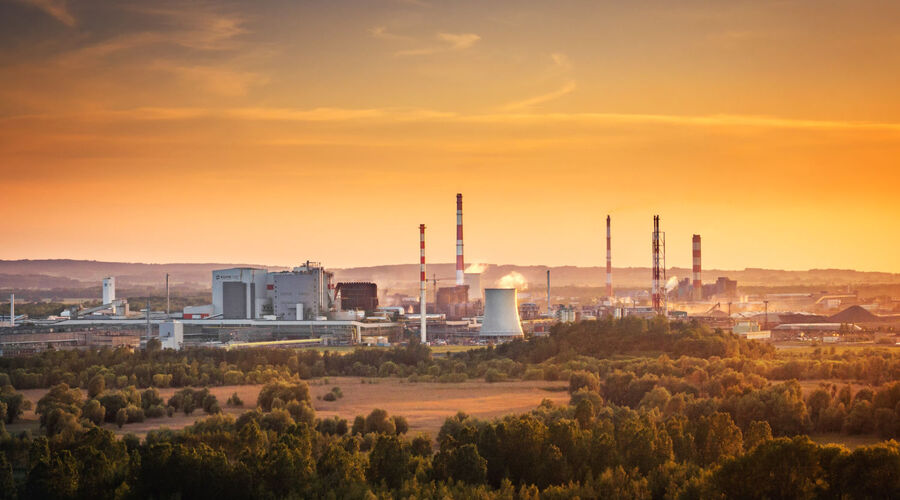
<point>167,295</point>
<point>148,319</point>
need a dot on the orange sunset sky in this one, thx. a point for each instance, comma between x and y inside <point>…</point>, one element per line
<point>273,132</point>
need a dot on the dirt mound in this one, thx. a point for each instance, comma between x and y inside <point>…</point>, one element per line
<point>854,314</point>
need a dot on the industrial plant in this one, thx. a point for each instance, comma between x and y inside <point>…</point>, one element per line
<point>306,306</point>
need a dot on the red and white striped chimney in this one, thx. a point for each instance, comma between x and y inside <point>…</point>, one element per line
<point>609,290</point>
<point>422,282</point>
<point>460,269</point>
<point>698,284</point>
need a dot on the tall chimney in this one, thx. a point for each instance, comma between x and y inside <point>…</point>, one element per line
<point>655,283</point>
<point>460,269</point>
<point>12,309</point>
<point>549,311</point>
<point>698,284</point>
<point>422,336</point>
<point>609,290</point>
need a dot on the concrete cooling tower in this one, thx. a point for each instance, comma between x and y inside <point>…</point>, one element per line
<point>501,313</point>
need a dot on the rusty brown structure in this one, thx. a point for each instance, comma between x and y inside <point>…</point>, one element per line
<point>358,295</point>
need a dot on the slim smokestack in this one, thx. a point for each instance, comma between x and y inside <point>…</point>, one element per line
<point>167,295</point>
<point>549,312</point>
<point>460,278</point>
<point>12,309</point>
<point>422,336</point>
<point>698,284</point>
<point>609,290</point>
<point>658,243</point>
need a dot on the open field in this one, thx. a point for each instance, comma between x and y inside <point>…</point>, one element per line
<point>851,442</point>
<point>435,349</point>
<point>809,348</point>
<point>425,405</point>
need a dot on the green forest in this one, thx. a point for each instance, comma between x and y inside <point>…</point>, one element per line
<point>656,410</point>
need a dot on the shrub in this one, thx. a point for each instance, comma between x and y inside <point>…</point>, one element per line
<point>94,411</point>
<point>285,391</point>
<point>235,400</point>
<point>329,397</point>
<point>134,414</point>
<point>155,411</point>
<point>378,421</point>
<point>400,424</point>
<point>583,380</point>
<point>121,417</point>
<point>494,375</point>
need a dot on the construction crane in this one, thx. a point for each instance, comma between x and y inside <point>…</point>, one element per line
<point>716,307</point>
<point>435,279</point>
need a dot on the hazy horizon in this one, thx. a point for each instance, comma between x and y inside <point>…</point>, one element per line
<point>229,131</point>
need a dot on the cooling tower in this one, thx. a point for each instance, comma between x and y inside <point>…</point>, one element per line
<point>501,313</point>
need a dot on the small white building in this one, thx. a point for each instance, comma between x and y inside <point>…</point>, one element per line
<point>171,335</point>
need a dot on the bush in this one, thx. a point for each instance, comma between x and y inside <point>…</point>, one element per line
<point>378,421</point>
<point>494,375</point>
<point>359,425</point>
<point>121,417</point>
<point>94,412</point>
<point>301,411</point>
<point>329,397</point>
<point>150,397</point>
<point>583,380</point>
<point>211,404</point>
<point>134,414</point>
<point>155,411</point>
<point>400,424</point>
<point>285,391</point>
<point>235,400</point>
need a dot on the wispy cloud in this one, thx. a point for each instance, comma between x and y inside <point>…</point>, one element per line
<point>222,81</point>
<point>459,41</point>
<point>58,9</point>
<point>532,101</point>
<point>382,33</point>
<point>561,60</point>
<point>389,116</point>
<point>450,42</point>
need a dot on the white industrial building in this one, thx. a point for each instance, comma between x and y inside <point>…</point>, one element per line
<point>109,290</point>
<point>304,293</point>
<point>171,335</point>
<point>239,293</point>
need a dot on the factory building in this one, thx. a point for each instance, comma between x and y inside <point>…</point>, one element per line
<point>239,293</point>
<point>453,302</point>
<point>171,335</point>
<point>306,292</point>
<point>361,296</point>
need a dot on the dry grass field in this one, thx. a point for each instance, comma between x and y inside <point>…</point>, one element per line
<point>425,405</point>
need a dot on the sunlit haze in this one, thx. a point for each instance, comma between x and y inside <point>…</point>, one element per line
<point>273,132</point>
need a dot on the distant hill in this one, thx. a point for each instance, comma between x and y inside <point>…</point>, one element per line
<point>59,273</point>
<point>64,273</point>
<point>629,277</point>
